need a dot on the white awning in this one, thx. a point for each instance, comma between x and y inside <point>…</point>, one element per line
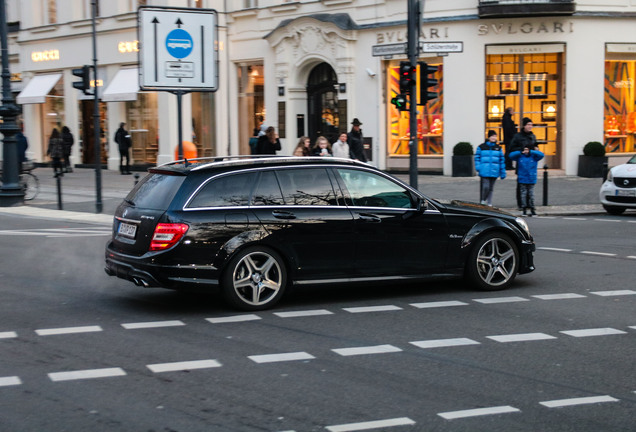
<point>38,88</point>
<point>123,87</point>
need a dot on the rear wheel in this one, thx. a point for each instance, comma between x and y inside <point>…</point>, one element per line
<point>255,279</point>
<point>614,210</point>
<point>493,262</point>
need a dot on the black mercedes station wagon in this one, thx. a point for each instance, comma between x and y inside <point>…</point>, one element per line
<point>254,225</point>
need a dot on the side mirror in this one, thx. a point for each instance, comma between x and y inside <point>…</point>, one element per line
<point>422,205</point>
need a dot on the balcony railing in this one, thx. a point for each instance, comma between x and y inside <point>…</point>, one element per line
<point>524,8</point>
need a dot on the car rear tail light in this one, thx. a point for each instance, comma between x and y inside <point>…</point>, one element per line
<point>167,235</point>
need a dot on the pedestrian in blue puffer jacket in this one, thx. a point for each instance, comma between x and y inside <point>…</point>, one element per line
<point>527,174</point>
<point>490,163</point>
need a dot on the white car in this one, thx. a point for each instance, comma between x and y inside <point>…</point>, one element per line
<point>618,192</point>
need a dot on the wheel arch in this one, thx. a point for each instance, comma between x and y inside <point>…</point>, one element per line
<point>487,226</point>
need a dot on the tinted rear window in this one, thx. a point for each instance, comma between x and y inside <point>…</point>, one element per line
<point>155,191</point>
<point>225,191</point>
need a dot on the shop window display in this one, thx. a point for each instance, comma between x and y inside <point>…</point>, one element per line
<point>620,106</point>
<point>430,120</point>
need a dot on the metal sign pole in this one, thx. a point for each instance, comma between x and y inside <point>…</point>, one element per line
<point>96,135</point>
<point>413,44</point>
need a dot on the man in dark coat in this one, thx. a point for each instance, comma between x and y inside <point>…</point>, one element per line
<point>122,138</point>
<point>354,138</point>
<point>509,131</point>
<point>524,138</point>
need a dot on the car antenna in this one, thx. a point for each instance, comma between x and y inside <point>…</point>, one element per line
<point>187,164</point>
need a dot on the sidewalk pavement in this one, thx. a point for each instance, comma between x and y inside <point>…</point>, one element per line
<point>567,195</point>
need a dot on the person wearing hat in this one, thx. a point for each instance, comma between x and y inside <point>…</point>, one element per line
<point>354,138</point>
<point>490,163</point>
<point>523,138</point>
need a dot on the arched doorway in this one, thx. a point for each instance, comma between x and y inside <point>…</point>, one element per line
<point>324,109</point>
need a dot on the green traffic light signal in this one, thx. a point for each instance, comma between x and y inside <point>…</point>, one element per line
<point>400,102</point>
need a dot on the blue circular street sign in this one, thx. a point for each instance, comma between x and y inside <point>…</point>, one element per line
<point>179,43</point>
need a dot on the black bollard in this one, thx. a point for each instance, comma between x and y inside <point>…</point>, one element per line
<point>58,180</point>
<point>605,171</point>
<point>136,178</point>
<point>545,185</point>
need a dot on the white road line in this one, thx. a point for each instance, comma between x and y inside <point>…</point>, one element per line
<point>306,313</point>
<point>272,358</point>
<point>633,327</point>
<point>373,309</point>
<point>521,337</point>
<point>377,424</point>
<point>565,296</point>
<point>574,218</point>
<point>68,330</point>
<point>631,256</point>
<point>86,374</point>
<point>605,254</point>
<point>613,293</point>
<point>554,249</point>
<point>152,324</point>
<point>235,318</point>
<point>451,415</point>
<point>377,349</point>
<point>8,335</point>
<point>608,220</point>
<point>183,366</point>
<point>593,332</point>
<point>10,381</point>
<point>500,300</point>
<point>578,401</point>
<point>439,343</point>
<point>437,304</point>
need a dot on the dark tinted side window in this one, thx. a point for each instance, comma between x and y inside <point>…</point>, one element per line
<point>155,191</point>
<point>371,190</point>
<point>267,191</point>
<point>307,186</point>
<point>225,191</point>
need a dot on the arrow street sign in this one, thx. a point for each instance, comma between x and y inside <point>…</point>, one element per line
<point>178,49</point>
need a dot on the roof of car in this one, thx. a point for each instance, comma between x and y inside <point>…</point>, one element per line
<point>184,166</point>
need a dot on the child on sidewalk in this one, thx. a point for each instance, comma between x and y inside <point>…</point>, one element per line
<point>527,175</point>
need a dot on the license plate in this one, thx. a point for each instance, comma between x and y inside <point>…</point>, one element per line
<point>629,193</point>
<point>127,230</point>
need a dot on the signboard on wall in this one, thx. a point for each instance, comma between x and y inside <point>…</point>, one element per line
<point>178,49</point>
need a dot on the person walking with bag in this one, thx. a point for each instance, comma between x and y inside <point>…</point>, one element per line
<point>490,163</point>
<point>67,140</point>
<point>122,138</point>
<point>56,151</point>
<point>527,175</point>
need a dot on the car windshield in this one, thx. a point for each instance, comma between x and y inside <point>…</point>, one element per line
<point>632,160</point>
<point>155,191</point>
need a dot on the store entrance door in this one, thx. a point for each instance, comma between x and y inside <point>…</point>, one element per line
<point>325,111</point>
<point>87,132</point>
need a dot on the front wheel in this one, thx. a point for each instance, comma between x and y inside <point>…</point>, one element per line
<point>30,185</point>
<point>493,262</point>
<point>254,279</point>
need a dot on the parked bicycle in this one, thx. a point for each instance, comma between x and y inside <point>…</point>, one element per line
<point>29,181</point>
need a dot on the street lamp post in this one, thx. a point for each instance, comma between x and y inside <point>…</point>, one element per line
<point>11,193</point>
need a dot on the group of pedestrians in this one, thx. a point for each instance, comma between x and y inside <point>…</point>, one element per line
<point>491,162</point>
<point>59,149</point>
<point>348,146</point>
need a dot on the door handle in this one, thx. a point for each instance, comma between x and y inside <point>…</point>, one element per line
<point>370,218</point>
<point>283,215</point>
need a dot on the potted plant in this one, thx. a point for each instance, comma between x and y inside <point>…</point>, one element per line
<point>591,162</point>
<point>463,163</point>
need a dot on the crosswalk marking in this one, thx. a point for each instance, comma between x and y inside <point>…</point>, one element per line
<point>376,424</point>
<point>183,366</point>
<point>437,304</point>
<point>10,381</point>
<point>521,337</point>
<point>153,324</point>
<point>377,349</point>
<point>439,343</point>
<point>86,374</point>
<point>593,332</point>
<point>578,401</point>
<point>451,415</point>
<point>272,358</point>
<point>365,309</point>
<point>68,330</point>
<point>234,318</point>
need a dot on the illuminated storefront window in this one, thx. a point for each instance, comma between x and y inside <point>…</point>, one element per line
<point>203,124</point>
<point>530,85</point>
<point>430,119</point>
<point>53,112</point>
<point>620,105</point>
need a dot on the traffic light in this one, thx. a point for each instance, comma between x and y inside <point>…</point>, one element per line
<point>407,77</point>
<point>85,84</point>
<point>399,101</point>
<point>427,81</point>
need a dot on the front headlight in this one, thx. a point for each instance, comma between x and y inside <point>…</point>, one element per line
<point>610,177</point>
<point>523,225</point>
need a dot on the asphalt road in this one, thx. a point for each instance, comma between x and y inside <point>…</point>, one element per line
<point>83,351</point>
